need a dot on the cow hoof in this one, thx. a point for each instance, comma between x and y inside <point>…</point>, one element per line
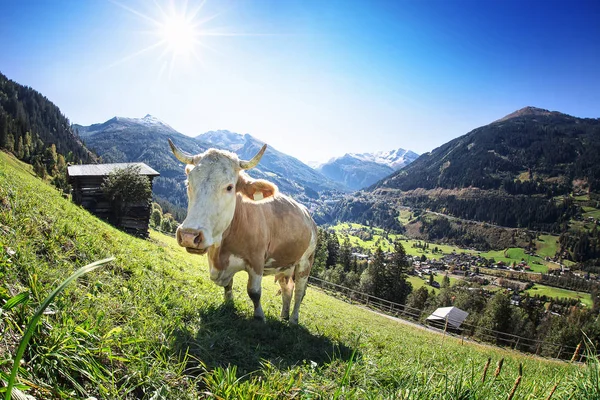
<point>294,321</point>
<point>259,318</point>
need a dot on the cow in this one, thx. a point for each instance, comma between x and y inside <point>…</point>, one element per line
<point>246,224</point>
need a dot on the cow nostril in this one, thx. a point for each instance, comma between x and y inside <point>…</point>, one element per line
<point>198,239</point>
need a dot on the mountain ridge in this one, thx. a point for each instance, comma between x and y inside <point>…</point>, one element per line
<point>360,170</point>
<point>124,139</point>
<point>517,172</point>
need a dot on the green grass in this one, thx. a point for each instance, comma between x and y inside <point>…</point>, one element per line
<point>378,239</point>
<point>583,197</point>
<point>151,325</point>
<point>591,212</point>
<point>420,282</point>
<point>550,291</point>
<point>516,254</point>
<point>547,245</point>
<point>405,216</point>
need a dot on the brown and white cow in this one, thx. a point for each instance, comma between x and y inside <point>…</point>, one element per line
<point>245,224</point>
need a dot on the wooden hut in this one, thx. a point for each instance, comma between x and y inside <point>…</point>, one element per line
<point>87,180</point>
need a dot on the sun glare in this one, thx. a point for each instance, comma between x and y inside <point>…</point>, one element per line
<point>179,35</point>
<point>180,31</point>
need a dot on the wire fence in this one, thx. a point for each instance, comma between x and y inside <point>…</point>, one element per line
<point>452,325</point>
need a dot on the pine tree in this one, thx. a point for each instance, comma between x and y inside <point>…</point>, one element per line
<point>321,253</point>
<point>333,249</point>
<point>398,288</point>
<point>346,254</point>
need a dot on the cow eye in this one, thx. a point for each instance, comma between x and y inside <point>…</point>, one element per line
<point>229,188</point>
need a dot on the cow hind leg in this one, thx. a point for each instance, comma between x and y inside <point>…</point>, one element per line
<point>301,280</point>
<point>287,287</point>
<point>254,292</point>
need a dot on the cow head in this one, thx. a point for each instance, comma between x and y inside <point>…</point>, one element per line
<point>213,180</point>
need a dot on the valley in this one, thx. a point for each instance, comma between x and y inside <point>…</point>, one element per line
<point>445,257</point>
<point>492,222</point>
<point>152,323</point>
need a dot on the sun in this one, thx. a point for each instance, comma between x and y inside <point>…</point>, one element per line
<point>175,30</point>
<point>179,34</point>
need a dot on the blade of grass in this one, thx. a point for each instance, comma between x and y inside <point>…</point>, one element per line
<point>16,300</point>
<point>38,314</point>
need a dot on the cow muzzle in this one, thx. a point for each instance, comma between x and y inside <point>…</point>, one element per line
<point>192,240</point>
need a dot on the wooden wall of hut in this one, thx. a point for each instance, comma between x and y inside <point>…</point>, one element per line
<point>87,192</point>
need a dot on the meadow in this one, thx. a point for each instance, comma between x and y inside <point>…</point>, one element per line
<point>516,255</point>
<point>550,291</point>
<point>151,325</point>
<point>418,282</point>
<point>386,242</point>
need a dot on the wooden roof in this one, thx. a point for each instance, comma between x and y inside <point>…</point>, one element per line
<point>105,169</point>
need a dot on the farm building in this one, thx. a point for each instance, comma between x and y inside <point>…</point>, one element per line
<point>451,317</point>
<point>87,180</point>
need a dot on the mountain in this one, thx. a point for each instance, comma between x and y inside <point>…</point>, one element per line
<point>516,172</point>
<point>289,173</point>
<point>527,152</point>
<point>145,140</point>
<point>357,171</point>
<point>30,124</point>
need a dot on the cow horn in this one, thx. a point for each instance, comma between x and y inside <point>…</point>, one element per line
<point>254,161</point>
<point>181,155</point>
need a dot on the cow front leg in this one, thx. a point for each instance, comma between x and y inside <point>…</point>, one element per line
<point>287,286</point>
<point>229,291</point>
<point>254,291</point>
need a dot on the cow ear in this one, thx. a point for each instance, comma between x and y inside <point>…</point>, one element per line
<point>255,189</point>
<point>189,168</point>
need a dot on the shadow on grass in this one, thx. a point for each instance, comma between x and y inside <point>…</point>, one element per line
<point>227,337</point>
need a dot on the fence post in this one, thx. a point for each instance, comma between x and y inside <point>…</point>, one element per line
<point>559,351</point>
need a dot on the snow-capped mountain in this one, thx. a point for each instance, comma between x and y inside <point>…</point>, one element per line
<point>224,139</point>
<point>288,172</point>
<point>357,171</point>
<point>122,124</point>
<point>123,139</point>
<point>395,159</point>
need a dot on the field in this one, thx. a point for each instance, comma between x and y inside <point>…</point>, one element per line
<point>418,282</point>
<point>547,245</point>
<point>387,244</point>
<point>151,325</point>
<point>591,212</point>
<point>515,254</point>
<point>550,291</point>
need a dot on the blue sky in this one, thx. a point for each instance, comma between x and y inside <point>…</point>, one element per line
<point>315,79</point>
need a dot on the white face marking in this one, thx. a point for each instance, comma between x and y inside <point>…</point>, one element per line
<point>212,195</point>
<point>222,278</point>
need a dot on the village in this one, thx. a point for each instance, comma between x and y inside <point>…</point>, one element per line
<point>489,274</point>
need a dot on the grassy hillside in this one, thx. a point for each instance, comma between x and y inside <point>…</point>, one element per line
<point>151,325</point>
